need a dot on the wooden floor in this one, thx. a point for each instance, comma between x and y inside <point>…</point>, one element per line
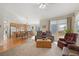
<point>12,43</point>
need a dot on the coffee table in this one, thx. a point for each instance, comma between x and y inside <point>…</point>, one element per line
<point>43,43</point>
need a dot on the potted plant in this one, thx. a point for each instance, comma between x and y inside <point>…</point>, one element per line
<point>68,30</point>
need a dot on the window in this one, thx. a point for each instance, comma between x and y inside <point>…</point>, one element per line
<point>62,24</point>
<point>53,26</point>
<point>77,23</point>
<point>58,25</point>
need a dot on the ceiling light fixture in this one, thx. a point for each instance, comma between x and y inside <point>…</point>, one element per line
<point>42,5</point>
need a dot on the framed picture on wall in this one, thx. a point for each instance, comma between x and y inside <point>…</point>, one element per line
<point>0,25</point>
<point>44,26</point>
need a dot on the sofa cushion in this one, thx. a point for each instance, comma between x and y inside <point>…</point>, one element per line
<point>69,39</point>
<point>63,42</point>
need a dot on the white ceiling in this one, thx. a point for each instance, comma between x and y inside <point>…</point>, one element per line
<point>32,9</point>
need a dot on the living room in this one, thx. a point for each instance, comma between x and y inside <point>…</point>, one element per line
<point>38,29</point>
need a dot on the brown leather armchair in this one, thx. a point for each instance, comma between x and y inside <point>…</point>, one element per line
<point>69,38</point>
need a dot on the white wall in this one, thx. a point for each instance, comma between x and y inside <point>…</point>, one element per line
<point>1,31</point>
<point>45,23</point>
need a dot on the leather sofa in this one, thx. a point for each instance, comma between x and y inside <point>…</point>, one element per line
<point>41,35</point>
<point>69,38</point>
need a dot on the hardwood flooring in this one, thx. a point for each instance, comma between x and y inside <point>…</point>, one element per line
<point>12,43</point>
